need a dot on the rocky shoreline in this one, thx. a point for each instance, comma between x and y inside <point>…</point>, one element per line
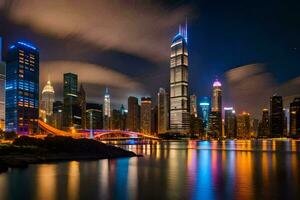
<point>28,150</point>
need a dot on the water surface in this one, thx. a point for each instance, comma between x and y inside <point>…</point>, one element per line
<point>169,170</point>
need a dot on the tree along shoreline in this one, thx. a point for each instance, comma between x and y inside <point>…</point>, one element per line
<point>28,150</point>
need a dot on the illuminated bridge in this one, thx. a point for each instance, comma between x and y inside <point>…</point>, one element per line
<point>96,134</point>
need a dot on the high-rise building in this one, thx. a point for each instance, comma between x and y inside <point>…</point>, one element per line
<point>95,112</point>
<point>47,100</point>
<point>204,110</point>
<point>193,105</point>
<point>217,97</point>
<point>243,125</point>
<point>70,98</point>
<point>57,114</point>
<point>163,111</point>
<point>295,118</point>
<point>215,124</point>
<point>145,121</point>
<point>154,120</point>
<point>22,89</point>
<point>2,90</point>
<point>264,124</point>
<point>82,104</point>
<point>106,110</point>
<point>216,111</point>
<point>133,116</point>
<point>276,116</point>
<point>179,110</point>
<point>123,117</point>
<point>116,119</point>
<point>230,129</point>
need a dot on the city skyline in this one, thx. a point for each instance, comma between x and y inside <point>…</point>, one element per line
<point>217,50</point>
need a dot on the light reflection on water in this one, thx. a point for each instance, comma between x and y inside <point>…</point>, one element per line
<point>169,170</point>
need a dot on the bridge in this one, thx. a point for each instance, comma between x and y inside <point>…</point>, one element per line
<point>95,134</point>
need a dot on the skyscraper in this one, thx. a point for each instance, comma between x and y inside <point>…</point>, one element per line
<point>82,104</point>
<point>145,120</point>
<point>163,111</point>
<point>22,88</point>
<point>47,101</point>
<point>216,110</point>
<point>193,105</point>
<point>276,116</point>
<point>230,128</point>
<point>107,112</point>
<point>243,125</point>
<point>295,118</point>
<point>94,116</point>
<point>264,124</point>
<point>116,119</point>
<point>179,110</point>
<point>217,97</point>
<point>57,114</point>
<point>133,116</point>
<point>2,90</point>
<point>123,117</point>
<point>70,98</point>
<point>204,110</point>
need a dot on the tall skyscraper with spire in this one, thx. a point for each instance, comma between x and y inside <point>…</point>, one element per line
<point>179,109</point>
<point>215,117</point>
<point>47,100</point>
<point>106,110</point>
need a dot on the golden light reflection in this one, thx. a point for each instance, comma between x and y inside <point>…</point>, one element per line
<point>244,174</point>
<point>46,181</point>
<point>3,186</point>
<point>73,180</point>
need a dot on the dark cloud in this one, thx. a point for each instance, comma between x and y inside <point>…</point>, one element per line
<point>137,27</point>
<point>249,88</point>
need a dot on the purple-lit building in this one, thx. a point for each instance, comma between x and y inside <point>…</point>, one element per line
<point>22,89</point>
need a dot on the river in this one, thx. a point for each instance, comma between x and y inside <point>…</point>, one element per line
<point>169,170</point>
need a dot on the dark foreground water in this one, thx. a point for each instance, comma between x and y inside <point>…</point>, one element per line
<point>170,170</point>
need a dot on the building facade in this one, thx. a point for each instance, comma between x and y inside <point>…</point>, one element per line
<point>133,116</point>
<point>82,104</point>
<point>215,128</point>
<point>230,123</point>
<point>145,120</point>
<point>2,92</point>
<point>46,105</point>
<point>243,126</point>
<point>295,118</point>
<point>204,110</point>
<point>179,97</point>
<point>22,89</point>
<point>193,105</point>
<point>162,111</point>
<point>276,116</point>
<point>264,124</point>
<point>57,121</point>
<point>106,110</point>
<point>70,98</point>
<point>94,116</point>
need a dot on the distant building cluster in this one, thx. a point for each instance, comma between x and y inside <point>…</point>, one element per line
<point>176,112</point>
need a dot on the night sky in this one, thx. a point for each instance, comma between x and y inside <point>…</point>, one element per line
<point>253,47</point>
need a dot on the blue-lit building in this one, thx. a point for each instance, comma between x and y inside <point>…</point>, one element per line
<point>22,89</point>
<point>204,109</point>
